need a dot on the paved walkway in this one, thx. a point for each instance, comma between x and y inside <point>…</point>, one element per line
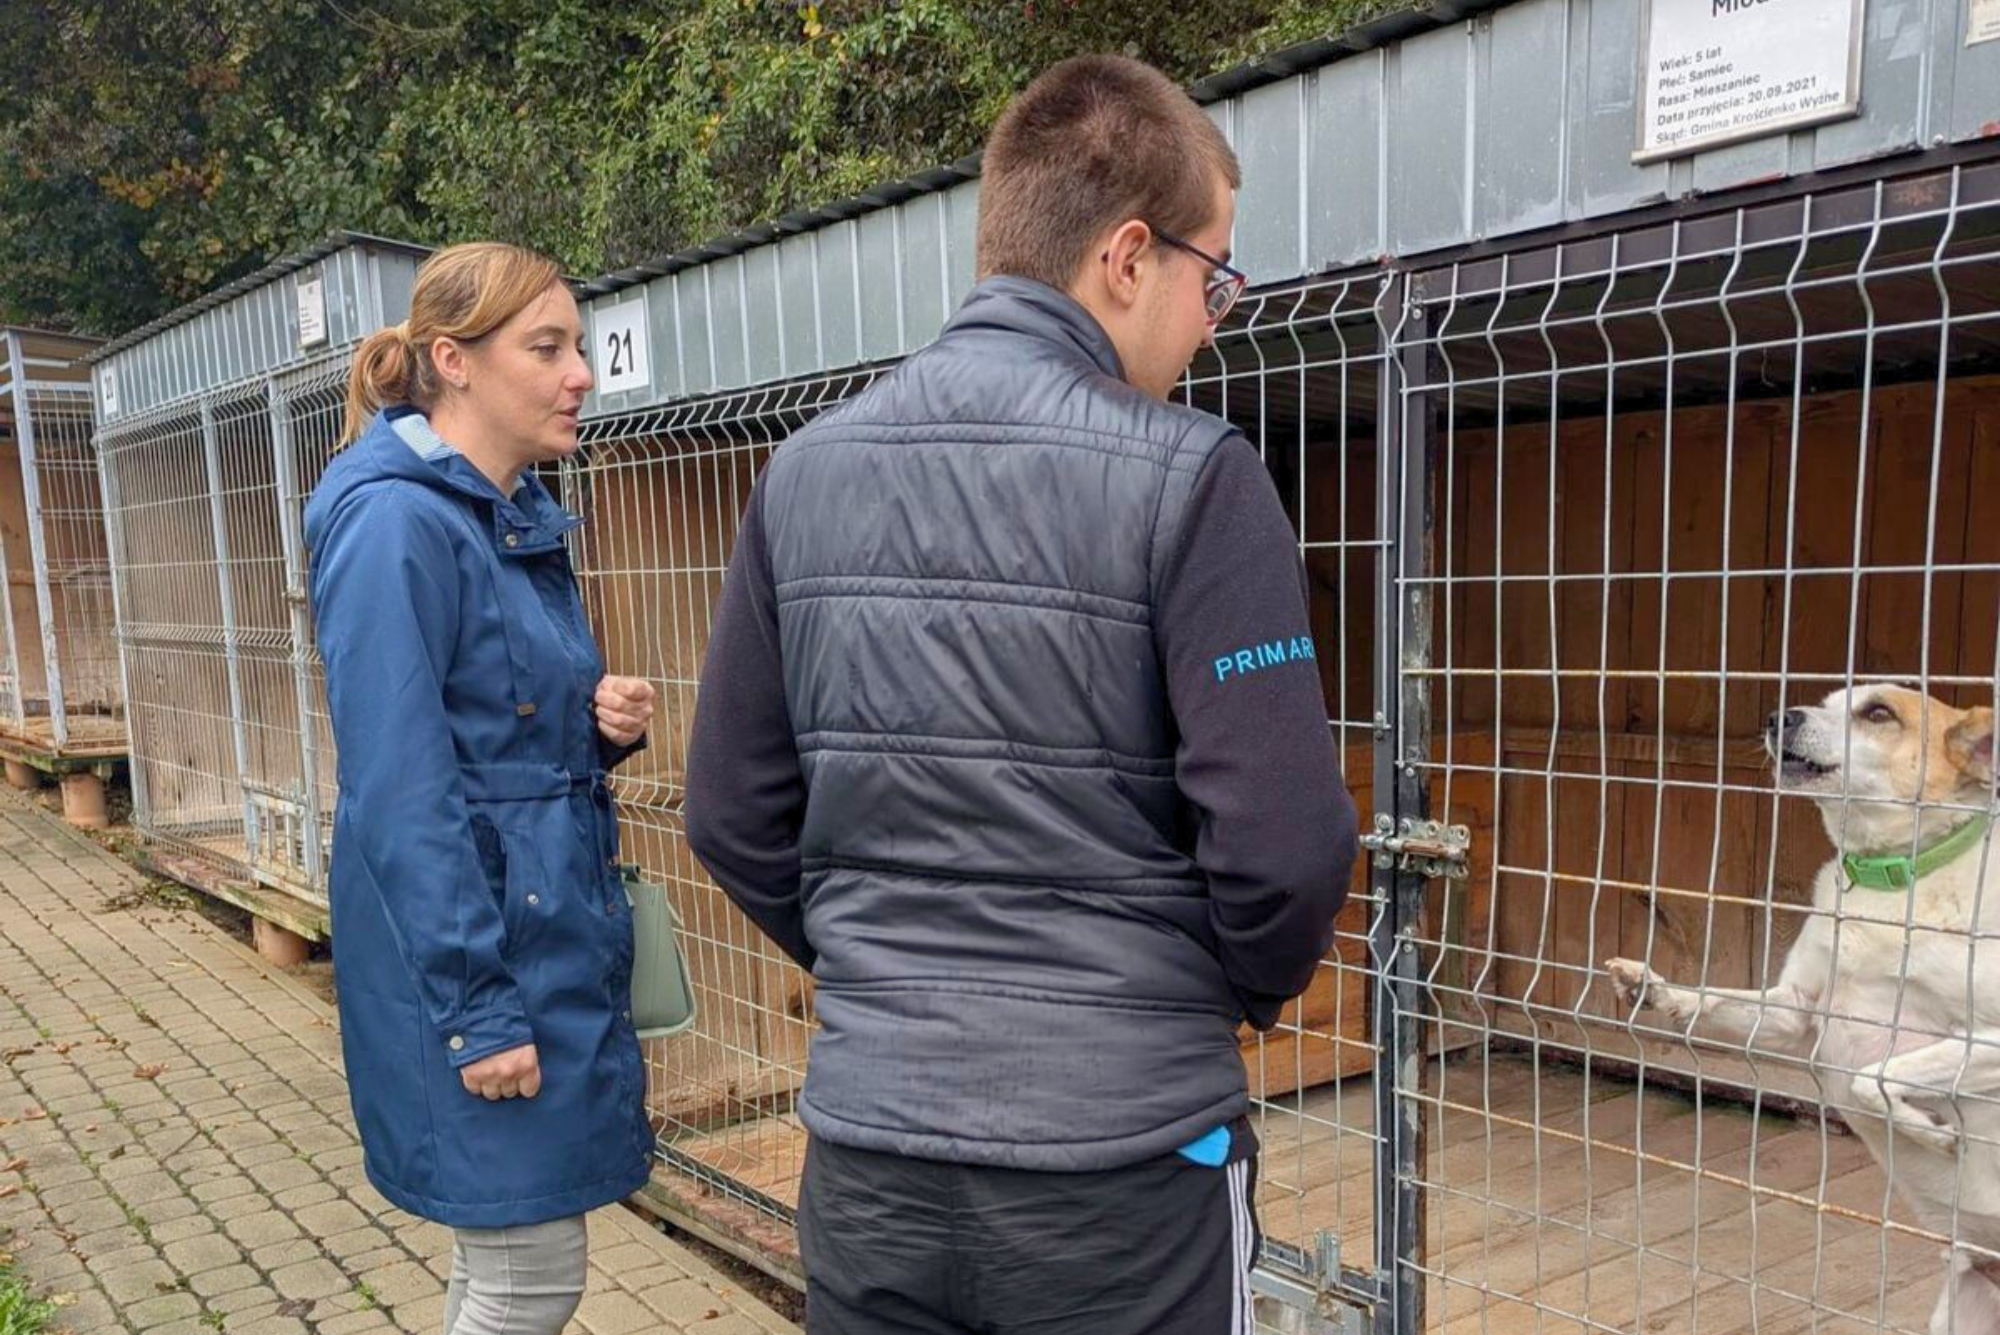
<point>176,1153</point>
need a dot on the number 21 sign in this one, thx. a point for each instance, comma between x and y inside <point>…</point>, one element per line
<point>620,355</point>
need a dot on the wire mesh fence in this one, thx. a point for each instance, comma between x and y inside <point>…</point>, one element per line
<point>186,785</point>
<point>232,756</point>
<point>663,492</point>
<point>59,688</point>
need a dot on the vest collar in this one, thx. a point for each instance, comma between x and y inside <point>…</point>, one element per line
<point>1024,306</point>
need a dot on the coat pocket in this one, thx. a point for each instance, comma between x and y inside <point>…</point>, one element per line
<point>513,806</point>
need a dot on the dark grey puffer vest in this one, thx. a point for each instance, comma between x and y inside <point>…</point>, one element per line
<point>1015,963</point>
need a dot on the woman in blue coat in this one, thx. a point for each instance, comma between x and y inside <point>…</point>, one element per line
<point>481,935</point>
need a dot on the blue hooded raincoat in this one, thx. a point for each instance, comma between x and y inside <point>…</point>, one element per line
<point>476,901</point>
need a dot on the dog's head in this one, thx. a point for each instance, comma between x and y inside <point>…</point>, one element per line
<point>1874,755</point>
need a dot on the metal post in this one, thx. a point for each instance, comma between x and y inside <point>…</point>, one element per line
<point>16,375</point>
<point>286,472</point>
<point>238,725</point>
<point>31,493</point>
<point>1402,641</point>
<point>114,544</point>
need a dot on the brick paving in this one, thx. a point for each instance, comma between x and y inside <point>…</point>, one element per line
<point>176,1151</point>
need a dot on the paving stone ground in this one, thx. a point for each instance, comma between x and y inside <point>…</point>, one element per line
<point>176,1151</point>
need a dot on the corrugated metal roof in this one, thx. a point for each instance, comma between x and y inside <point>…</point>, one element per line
<point>333,244</point>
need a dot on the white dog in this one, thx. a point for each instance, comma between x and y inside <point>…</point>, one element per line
<point>1887,991</point>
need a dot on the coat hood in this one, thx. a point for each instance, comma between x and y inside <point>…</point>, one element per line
<point>401,445</point>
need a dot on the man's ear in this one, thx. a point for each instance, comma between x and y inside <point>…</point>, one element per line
<point>1115,262</point>
<point>1969,743</point>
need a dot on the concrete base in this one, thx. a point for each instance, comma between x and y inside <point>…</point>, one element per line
<point>24,777</point>
<point>279,945</point>
<point>83,801</point>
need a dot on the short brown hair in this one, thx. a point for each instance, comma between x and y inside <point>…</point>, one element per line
<point>463,292</point>
<point>1092,142</point>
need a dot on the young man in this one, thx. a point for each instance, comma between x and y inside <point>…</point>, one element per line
<point>992,739</point>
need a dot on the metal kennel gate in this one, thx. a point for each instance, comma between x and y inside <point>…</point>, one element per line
<point>1657,484</point>
<point>662,491</point>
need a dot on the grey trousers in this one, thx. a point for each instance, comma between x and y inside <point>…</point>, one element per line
<point>516,1281</point>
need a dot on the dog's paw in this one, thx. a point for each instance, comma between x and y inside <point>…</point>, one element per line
<point>1884,1098</point>
<point>1637,987</point>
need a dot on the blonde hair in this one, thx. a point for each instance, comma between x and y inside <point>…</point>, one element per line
<point>463,292</point>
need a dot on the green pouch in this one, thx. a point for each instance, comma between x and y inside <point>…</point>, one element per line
<point>662,996</point>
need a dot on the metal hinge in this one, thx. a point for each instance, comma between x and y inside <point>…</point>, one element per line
<point>1427,847</point>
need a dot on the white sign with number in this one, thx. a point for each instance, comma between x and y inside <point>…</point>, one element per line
<point>1717,71</point>
<point>312,311</point>
<point>624,361</point>
<point>107,387</point>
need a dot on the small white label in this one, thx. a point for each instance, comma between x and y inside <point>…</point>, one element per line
<point>312,312</point>
<point>107,385</point>
<point>624,361</point>
<point>1718,71</point>
<point>1982,22</point>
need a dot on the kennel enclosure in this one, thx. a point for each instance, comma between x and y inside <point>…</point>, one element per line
<point>61,711</point>
<point>212,425</point>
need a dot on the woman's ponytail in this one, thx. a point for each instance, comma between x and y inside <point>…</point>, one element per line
<point>384,373</point>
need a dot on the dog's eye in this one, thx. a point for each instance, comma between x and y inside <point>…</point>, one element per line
<point>1879,713</point>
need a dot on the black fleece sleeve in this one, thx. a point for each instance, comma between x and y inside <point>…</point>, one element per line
<point>1275,827</point>
<point>746,795</point>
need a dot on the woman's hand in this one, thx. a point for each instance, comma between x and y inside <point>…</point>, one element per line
<point>515,1073</point>
<point>624,708</point>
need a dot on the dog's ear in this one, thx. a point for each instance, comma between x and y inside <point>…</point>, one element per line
<point>1970,744</point>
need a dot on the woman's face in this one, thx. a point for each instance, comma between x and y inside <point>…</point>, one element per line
<point>527,379</point>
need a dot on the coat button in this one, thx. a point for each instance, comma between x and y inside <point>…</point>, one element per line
<point>628,1017</point>
<point>512,540</point>
<point>534,900</point>
<point>457,1042</point>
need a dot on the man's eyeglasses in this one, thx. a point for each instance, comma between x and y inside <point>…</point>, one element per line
<point>1225,282</point>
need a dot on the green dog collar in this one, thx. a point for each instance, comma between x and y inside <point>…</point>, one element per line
<point>1902,873</point>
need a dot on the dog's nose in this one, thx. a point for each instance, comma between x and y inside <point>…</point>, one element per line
<point>1787,721</point>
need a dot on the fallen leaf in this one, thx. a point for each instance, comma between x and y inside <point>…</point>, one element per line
<point>151,1071</point>
<point>33,1115</point>
<point>62,1049</point>
<point>13,1165</point>
<point>91,1127</point>
<point>64,1300</point>
<point>11,1189</point>
<point>11,1053</point>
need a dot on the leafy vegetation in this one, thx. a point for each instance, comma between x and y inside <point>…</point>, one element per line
<point>151,150</point>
